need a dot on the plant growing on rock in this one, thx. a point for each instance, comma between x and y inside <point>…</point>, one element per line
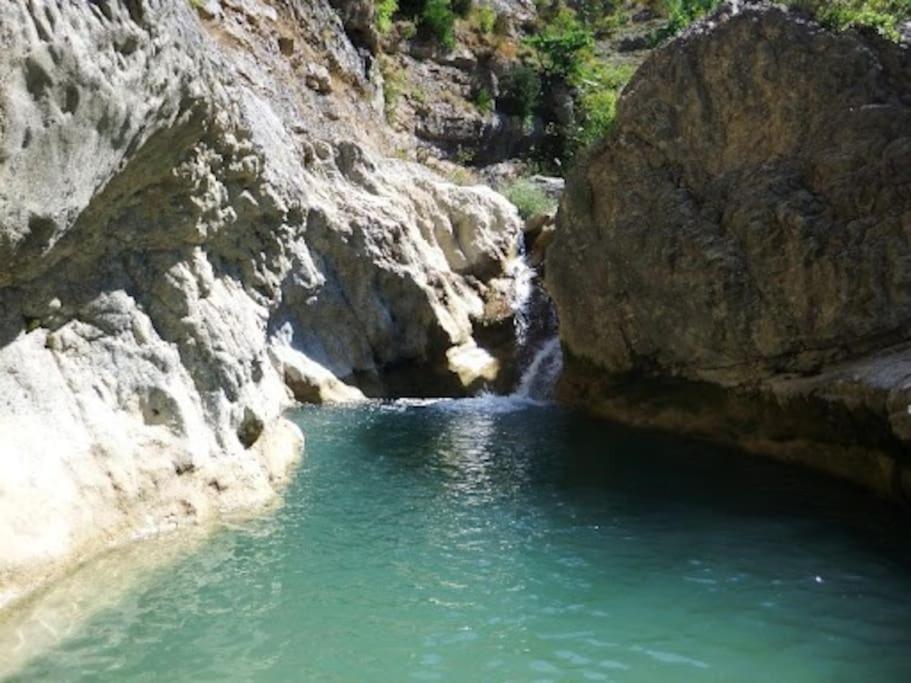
<point>562,46</point>
<point>598,88</point>
<point>520,89</point>
<point>484,19</point>
<point>886,16</point>
<point>438,19</point>
<point>385,10</point>
<point>483,101</point>
<point>528,198</point>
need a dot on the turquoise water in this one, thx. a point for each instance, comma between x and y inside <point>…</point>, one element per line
<point>482,540</point>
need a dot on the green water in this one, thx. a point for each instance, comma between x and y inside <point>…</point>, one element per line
<point>480,540</point>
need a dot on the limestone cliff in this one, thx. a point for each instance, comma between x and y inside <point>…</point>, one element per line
<point>195,226</point>
<point>734,260</point>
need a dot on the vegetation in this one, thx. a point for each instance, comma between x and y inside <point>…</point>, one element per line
<point>520,91</point>
<point>886,16</point>
<point>528,198</point>
<point>599,89</point>
<point>484,19</point>
<point>562,46</point>
<point>483,100</point>
<point>394,84</point>
<point>438,19</point>
<point>562,59</point>
<point>462,7</point>
<point>385,10</point>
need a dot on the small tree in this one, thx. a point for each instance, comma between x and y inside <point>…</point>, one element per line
<point>520,91</point>
<point>562,46</point>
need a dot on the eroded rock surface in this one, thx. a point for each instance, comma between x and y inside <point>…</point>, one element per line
<point>740,246</point>
<point>190,233</point>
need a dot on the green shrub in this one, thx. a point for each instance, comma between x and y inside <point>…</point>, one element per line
<point>485,19</point>
<point>438,19</point>
<point>483,101</point>
<point>462,7</point>
<point>528,198</point>
<point>682,13</point>
<point>393,87</point>
<point>562,46</point>
<point>385,9</point>
<point>886,16</point>
<point>520,91</point>
<point>599,87</point>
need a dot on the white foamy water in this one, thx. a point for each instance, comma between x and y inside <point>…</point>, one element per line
<point>541,375</point>
<point>523,277</point>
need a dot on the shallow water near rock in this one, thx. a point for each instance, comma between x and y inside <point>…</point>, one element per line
<point>502,540</point>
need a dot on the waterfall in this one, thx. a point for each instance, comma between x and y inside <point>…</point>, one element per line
<point>537,345</point>
<point>524,284</point>
<point>541,375</point>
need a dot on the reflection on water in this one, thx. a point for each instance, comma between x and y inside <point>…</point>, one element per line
<point>493,539</point>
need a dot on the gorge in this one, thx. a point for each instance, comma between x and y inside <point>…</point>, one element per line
<point>230,227</point>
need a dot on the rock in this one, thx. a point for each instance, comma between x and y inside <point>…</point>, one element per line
<point>188,247</point>
<point>540,231</point>
<point>743,232</point>
<point>359,20</point>
<point>549,185</point>
<point>209,9</point>
<point>286,45</point>
<point>317,78</point>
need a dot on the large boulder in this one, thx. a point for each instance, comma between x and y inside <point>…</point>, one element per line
<point>744,233</point>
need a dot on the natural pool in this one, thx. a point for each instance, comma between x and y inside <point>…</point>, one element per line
<point>495,540</point>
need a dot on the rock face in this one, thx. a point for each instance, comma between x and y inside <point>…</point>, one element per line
<point>189,236</point>
<point>735,259</point>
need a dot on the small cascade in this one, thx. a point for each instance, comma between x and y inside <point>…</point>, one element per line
<point>541,375</point>
<point>524,278</point>
<point>537,344</point>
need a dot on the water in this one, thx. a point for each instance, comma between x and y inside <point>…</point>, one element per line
<point>541,375</point>
<point>500,540</point>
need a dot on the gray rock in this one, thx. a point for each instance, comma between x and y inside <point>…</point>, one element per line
<point>746,226</point>
<point>317,78</point>
<point>185,242</point>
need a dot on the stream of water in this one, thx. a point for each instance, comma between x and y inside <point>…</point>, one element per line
<point>499,539</point>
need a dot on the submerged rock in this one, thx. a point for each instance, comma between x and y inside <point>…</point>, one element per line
<point>182,252</point>
<point>734,260</point>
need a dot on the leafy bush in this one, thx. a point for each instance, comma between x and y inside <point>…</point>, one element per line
<point>520,91</point>
<point>385,9</point>
<point>562,46</point>
<point>680,14</point>
<point>483,101</point>
<point>438,19</point>
<point>462,7</point>
<point>599,89</point>
<point>528,198</point>
<point>886,16</point>
<point>485,19</point>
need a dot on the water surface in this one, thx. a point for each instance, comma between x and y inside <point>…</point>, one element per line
<point>491,540</point>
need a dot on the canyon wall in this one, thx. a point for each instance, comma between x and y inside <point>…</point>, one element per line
<point>196,228</point>
<point>734,260</point>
